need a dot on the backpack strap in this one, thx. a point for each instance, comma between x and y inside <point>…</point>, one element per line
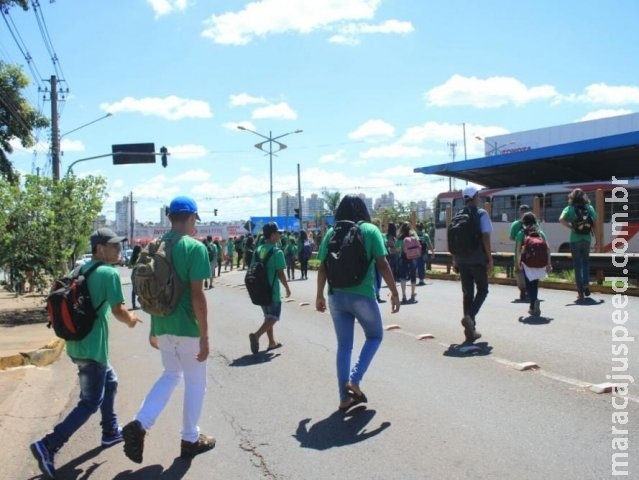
<point>86,274</point>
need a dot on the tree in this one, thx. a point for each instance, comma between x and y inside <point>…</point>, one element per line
<point>332,200</point>
<point>45,224</point>
<point>20,3</point>
<point>17,118</point>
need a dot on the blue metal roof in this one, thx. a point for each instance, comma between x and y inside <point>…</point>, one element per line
<point>582,161</point>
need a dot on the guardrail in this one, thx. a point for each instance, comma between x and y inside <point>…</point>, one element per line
<point>599,262</point>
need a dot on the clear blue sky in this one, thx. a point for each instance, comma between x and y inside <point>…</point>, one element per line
<point>379,87</point>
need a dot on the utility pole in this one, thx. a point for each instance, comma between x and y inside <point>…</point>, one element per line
<point>452,146</point>
<point>132,217</point>
<point>55,130</point>
<point>299,195</point>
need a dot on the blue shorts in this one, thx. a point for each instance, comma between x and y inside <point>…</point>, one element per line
<point>272,311</point>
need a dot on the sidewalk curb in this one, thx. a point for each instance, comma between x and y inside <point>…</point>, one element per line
<point>41,357</point>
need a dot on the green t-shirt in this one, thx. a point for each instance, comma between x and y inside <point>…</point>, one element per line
<point>191,262</point>
<point>570,215</point>
<point>375,248</point>
<point>275,263</point>
<point>105,289</point>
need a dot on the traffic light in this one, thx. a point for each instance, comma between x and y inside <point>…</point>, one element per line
<point>215,212</point>
<point>297,213</point>
<point>164,151</point>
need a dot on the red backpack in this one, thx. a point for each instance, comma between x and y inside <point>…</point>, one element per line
<point>534,250</point>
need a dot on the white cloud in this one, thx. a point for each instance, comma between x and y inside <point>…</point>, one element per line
<point>171,107</point>
<point>338,157</point>
<point>604,114</point>
<point>186,152</point>
<point>610,95</point>
<point>395,150</point>
<point>165,7</point>
<point>242,99</point>
<point>491,92</point>
<point>195,175</point>
<point>373,130</point>
<point>349,34</point>
<point>277,110</point>
<point>269,17</point>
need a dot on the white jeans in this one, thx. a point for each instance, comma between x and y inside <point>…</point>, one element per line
<point>178,359</point>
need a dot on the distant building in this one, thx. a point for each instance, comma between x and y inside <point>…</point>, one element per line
<point>314,206</point>
<point>423,210</point>
<point>164,220</point>
<point>387,200</point>
<point>123,216</point>
<point>286,205</point>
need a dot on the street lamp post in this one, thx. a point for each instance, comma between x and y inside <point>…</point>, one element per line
<point>495,147</point>
<point>260,146</point>
<point>55,145</point>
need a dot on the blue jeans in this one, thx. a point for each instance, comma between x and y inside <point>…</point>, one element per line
<point>471,276</point>
<point>581,262</point>
<point>98,386</point>
<point>345,308</point>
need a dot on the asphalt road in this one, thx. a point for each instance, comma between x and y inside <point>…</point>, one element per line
<point>433,412</point>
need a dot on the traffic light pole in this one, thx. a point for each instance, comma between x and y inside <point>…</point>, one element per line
<point>163,153</point>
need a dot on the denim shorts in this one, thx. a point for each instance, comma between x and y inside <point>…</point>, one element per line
<point>272,311</point>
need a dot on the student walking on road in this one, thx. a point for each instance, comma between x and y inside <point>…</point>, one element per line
<point>532,258</point>
<point>355,302</point>
<point>474,266</point>
<point>579,217</point>
<point>98,381</point>
<point>182,338</point>
<point>275,266</point>
<point>515,228</point>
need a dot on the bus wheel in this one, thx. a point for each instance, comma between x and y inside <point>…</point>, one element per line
<point>564,248</point>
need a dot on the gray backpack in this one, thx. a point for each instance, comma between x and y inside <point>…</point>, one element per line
<point>156,282</point>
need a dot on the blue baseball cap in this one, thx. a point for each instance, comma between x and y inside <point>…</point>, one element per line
<point>183,204</point>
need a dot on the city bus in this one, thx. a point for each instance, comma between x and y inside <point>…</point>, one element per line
<point>503,206</point>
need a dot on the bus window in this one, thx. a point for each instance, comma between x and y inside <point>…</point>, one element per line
<point>458,204</point>
<point>527,199</point>
<point>503,208</point>
<point>553,205</point>
<point>440,219</point>
<point>616,207</point>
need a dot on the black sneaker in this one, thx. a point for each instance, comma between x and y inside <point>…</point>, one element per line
<point>587,292</point>
<point>470,332</point>
<point>201,445</point>
<point>45,458</point>
<point>133,435</point>
<point>380,300</point>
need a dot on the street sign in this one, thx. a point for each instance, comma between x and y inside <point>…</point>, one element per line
<point>133,153</point>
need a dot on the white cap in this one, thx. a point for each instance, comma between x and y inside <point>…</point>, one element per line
<point>470,192</point>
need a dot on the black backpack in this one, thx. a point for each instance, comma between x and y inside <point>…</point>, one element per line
<point>583,221</point>
<point>258,285</point>
<point>346,260</point>
<point>69,307</point>
<point>464,232</point>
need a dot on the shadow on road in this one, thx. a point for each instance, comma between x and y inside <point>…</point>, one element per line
<point>586,302</point>
<point>338,429</point>
<point>468,350</point>
<point>532,320</point>
<point>176,471</point>
<point>248,360</point>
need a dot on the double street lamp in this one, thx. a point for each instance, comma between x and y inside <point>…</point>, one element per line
<point>494,146</point>
<point>260,146</point>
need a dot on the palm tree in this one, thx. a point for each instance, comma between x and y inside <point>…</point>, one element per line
<point>332,200</point>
